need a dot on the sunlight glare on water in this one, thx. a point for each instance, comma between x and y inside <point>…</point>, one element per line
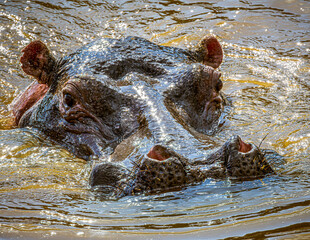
<point>44,189</point>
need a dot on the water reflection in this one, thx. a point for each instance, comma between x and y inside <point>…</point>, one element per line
<point>44,190</point>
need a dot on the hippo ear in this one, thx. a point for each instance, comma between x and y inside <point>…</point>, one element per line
<point>211,51</point>
<point>37,61</point>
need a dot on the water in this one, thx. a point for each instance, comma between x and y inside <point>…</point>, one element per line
<point>44,189</point>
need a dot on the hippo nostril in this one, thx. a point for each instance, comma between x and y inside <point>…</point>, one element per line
<point>244,147</point>
<point>159,153</point>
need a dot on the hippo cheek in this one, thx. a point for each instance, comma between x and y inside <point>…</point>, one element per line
<point>81,121</point>
<point>212,111</point>
<point>211,103</point>
<point>214,105</point>
<point>84,145</point>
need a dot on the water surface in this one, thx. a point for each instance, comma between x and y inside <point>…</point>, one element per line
<point>44,189</point>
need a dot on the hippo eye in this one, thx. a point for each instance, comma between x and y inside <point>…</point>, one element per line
<point>68,100</point>
<point>219,85</point>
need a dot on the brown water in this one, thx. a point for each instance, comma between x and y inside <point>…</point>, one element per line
<point>44,190</point>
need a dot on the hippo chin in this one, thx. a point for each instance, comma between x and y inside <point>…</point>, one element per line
<point>140,105</point>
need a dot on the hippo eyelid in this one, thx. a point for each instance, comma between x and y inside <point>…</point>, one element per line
<point>219,85</point>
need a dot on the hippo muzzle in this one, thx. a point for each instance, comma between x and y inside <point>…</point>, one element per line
<point>244,161</point>
<point>162,169</point>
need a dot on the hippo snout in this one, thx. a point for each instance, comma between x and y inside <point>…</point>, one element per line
<point>244,160</point>
<point>162,169</point>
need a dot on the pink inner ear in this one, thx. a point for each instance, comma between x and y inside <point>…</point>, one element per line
<point>213,52</point>
<point>27,99</point>
<point>35,46</point>
<point>214,48</point>
<point>34,60</point>
<point>32,50</point>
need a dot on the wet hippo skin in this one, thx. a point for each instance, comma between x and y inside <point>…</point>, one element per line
<point>138,107</point>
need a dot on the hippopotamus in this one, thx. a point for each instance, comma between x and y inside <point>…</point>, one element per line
<point>144,110</point>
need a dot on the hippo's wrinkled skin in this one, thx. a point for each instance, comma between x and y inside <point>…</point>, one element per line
<point>143,107</point>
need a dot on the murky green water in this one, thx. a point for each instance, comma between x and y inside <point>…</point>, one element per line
<point>44,190</point>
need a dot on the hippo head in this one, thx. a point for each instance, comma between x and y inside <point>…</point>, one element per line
<point>126,95</point>
<point>88,100</point>
<point>84,115</point>
<point>162,169</point>
<point>197,97</point>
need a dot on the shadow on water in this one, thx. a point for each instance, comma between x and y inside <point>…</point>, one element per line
<point>44,189</point>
